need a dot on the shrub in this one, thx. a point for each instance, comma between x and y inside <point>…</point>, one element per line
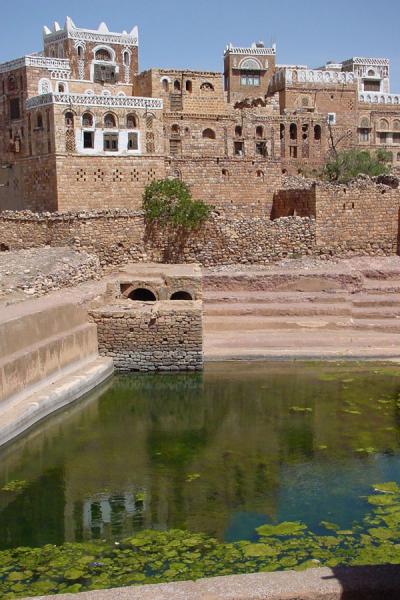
<point>169,203</point>
<point>348,164</point>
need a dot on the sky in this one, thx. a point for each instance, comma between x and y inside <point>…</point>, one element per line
<point>193,34</point>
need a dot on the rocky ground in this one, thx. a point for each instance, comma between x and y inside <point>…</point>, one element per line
<point>37,271</point>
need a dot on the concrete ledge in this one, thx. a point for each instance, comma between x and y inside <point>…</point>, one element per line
<point>23,411</point>
<point>353,583</point>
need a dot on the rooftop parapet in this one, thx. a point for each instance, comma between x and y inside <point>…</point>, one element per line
<point>36,60</point>
<point>101,34</point>
<point>256,48</point>
<point>378,98</point>
<point>93,100</point>
<point>287,77</point>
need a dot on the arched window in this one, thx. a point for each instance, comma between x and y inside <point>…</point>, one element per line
<point>238,131</point>
<point>177,85</point>
<point>12,83</point>
<point>250,64</point>
<point>80,51</point>
<point>371,73</point>
<point>175,129</point>
<point>69,119</point>
<point>282,132</point>
<point>209,134</point>
<point>259,132</point>
<point>103,54</point>
<point>165,85</point>
<point>383,124</point>
<point>61,88</point>
<point>110,121</point>
<point>225,173</point>
<point>207,86</point>
<point>293,131</point>
<point>260,175</point>
<point>364,123</point>
<point>396,125</point>
<point>317,132</point>
<point>189,86</point>
<point>39,121</point>
<point>131,121</point>
<point>87,119</point>
<point>398,156</point>
<point>127,59</point>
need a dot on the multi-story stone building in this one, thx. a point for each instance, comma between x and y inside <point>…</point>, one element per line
<point>82,127</point>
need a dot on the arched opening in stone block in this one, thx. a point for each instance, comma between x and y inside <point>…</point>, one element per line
<point>142,295</point>
<point>181,295</point>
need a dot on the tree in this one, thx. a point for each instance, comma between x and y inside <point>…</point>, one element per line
<point>348,164</point>
<point>168,204</point>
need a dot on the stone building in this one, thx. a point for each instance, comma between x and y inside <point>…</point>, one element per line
<point>82,128</point>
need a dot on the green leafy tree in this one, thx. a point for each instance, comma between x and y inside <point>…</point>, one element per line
<point>348,164</point>
<point>169,203</point>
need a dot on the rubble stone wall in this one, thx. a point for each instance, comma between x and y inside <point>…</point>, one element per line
<point>160,336</point>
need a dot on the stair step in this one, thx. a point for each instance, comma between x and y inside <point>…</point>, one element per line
<point>20,412</point>
<point>256,296</point>
<point>251,323</point>
<point>277,309</point>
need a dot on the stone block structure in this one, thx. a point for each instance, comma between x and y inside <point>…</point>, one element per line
<point>150,319</point>
<point>82,128</point>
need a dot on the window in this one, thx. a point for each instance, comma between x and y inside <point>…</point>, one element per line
<point>382,137</point>
<point>398,156</point>
<point>126,59</point>
<point>88,139</point>
<point>317,133</point>
<point>238,131</point>
<point>177,86</point>
<point>331,119</point>
<point>259,132</point>
<point>247,78</point>
<point>175,129</point>
<point>87,119</point>
<point>103,54</point>
<point>111,142</point>
<point>39,121</point>
<point>61,88</point>
<point>383,124</point>
<point>11,83</point>
<point>238,148</point>
<point>189,87</point>
<point>131,121</point>
<point>261,149</point>
<point>165,85</point>
<point>69,119</point>
<point>293,131</point>
<point>396,138</point>
<point>293,151</point>
<point>207,87</point>
<point>133,141</point>
<point>175,147</point>
<point>209,134</point>
<point>282,132</point>
<point>372,86</point>
<point>363,134</point>
<point>105,73</point>
<point>80,51</point>
<point>15,110</point>
<point>109,121</point>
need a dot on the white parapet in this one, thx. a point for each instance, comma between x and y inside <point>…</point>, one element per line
<point>93,100</point>
<point>378,98</point>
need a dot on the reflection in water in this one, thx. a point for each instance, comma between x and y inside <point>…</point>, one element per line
<point>219,453</point>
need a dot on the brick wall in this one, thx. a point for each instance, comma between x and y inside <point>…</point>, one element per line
<point>161,336</point>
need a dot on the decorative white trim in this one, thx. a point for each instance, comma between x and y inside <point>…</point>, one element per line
<point>290,76</point>
<point>250,51</point>
<point>98,150</point>
<point>92,100</point>
<point>44,86</point>
<point>107,49</point>
<point>248,60</point>
<point>100,35</point>
<point>359,60</point>
<point>58,64</point>
<point>378,98</point>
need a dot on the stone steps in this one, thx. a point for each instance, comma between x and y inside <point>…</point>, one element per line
<point>22,411</point>
<point>279,309</point>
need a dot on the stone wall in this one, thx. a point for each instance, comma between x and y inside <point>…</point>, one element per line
<point>232,236</point>
<point>157,336</point>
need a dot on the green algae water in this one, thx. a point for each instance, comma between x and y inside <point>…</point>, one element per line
<point>246,467</point>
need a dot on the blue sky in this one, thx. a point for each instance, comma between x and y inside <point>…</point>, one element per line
<point>193,34</point>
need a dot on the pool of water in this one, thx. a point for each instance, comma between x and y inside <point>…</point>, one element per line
<point>220,453</point>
